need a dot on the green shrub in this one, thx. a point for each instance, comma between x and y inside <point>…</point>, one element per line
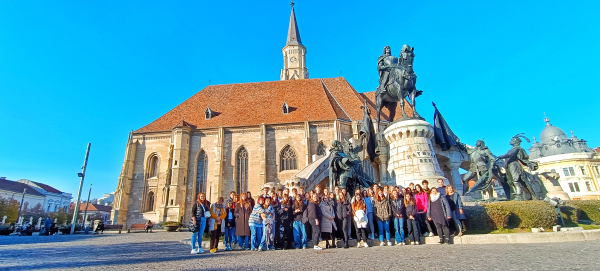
<point>510,214</point>
<point>575,210</point>
<point>170,223</point>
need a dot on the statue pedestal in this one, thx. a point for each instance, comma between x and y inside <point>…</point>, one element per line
<point>412,158</point>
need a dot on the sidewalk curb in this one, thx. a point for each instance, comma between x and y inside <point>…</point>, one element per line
<point>479,239</point>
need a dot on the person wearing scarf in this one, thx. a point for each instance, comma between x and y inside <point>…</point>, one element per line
<point>217,214</point>
<point>439,212</point>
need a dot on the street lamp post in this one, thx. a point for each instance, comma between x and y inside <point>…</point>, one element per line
<point>82,176</point>
<point>21,206</point>
<point>86,208</point>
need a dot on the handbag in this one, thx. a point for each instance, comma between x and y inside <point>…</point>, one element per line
<point>207,214</point>
<point>192,227</point>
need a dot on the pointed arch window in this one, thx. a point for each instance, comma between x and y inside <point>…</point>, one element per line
<point>153,172</point>
<point>242,171</point>
<point>321,149</point>
<point>288,159</point>
<point>150,202</point>
<point>202,173</point>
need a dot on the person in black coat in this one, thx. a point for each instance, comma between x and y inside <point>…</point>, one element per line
<point>314,218</point>
<point>439,212</point>
<point>343,213</point>
<point>411,219</point>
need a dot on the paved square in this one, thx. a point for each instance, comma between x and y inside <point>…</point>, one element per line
<point>162,250</point>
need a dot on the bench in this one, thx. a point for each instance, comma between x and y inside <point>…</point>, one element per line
<point>116,227</point>
<point>140,227</point>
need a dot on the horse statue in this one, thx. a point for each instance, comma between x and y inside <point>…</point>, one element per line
<point>397,81</point>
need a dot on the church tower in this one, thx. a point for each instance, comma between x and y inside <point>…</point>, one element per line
<point>294,53</point>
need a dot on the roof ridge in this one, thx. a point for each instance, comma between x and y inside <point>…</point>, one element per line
<point>336,101</point>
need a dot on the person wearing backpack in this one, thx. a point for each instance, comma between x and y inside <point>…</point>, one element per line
<point>199,222</point>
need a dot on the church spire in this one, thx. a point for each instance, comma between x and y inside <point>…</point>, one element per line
<point>294,53</point>
<point>293,37</point>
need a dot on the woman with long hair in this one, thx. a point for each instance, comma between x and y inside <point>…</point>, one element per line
<point>298,225</point>
<point>286,237</point>
<point>383,211</point>
<point>414,235</point>
<point>243,209</point>
<point>256,223</point>
<point>217,214</point>
<point>398,216</point>
<point>313,212</point>
<point>439,212</point>
<point>344,214</point>
<point>456,207</point>
<point>422,202</point>
<point>249,197</point>
<point>328,221</point>
<point>359,211</point>
<point>199,219</point>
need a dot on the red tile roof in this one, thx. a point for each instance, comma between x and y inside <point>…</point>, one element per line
<point>90,207</point>
<point>255,103</point>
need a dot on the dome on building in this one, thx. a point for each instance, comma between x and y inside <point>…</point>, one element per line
<point>554,141</point>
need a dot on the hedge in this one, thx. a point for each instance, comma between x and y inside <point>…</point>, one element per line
<point>510,214</point>
<point>575,210</point>
<point>528,214</point>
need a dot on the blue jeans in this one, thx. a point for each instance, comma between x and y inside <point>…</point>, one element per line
<point>255,236</point>
<point>371,225</point>
<point>263,240</point>
<point>385,224</point>
<point>197,235</point>
<point>244,242</point>
<point>299,234</point>
<point>399,229</point>
<point>229,236</point>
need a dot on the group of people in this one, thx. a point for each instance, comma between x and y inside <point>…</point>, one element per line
<point>287,219</point>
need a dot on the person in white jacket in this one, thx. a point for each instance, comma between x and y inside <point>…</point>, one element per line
<point>359,209</point>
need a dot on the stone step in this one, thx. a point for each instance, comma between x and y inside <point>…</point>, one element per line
<point>351,243</point>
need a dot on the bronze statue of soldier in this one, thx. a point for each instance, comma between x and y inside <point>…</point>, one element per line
<point>516,176</point>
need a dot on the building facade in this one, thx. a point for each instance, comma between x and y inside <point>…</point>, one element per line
<point>50,198</point>
<point>577,165</point>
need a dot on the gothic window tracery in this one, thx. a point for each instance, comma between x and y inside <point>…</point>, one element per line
<point>321,149</point>
<point>242,171</point>
<point>202,173</point>
<point>150,202</point>
<point>288,159</point>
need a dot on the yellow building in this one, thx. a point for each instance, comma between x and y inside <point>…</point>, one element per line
<point>571,158</point>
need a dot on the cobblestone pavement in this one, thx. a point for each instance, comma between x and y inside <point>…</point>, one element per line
<point>162,250</point>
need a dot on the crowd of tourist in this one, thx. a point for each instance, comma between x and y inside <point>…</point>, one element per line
<point>289,219</point>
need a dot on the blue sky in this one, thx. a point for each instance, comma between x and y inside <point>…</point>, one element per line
<point>73,72</point>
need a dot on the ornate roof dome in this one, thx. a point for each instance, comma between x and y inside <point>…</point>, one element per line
<point>554,141</point>
<point>551,134</point>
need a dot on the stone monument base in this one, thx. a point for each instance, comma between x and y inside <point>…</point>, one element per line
<point>412,158</point>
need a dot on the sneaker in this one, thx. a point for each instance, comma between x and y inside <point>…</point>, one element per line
<point>460,234</point>
<point>213,250</point>
<point>304,247</point>
<point>260,249</point>
<point>358,244</point>
<point>431,234</point>
<point>318,248</point>
<point>194,251</point>
<point>382,244</point>
<point>366,245</point>
<point>389,244</point>
<point>417,243</point>
<point>425,234</point>
<point>412,243</point>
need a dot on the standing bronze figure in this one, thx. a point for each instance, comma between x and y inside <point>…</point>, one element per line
<point>484,170</point>
<point>397,80</point>
<point>516,176</point>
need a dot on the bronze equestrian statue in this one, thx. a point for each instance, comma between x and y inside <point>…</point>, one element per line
<point>397,81</point>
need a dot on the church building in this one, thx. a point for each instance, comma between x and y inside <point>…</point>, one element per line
<point>236,137</point>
